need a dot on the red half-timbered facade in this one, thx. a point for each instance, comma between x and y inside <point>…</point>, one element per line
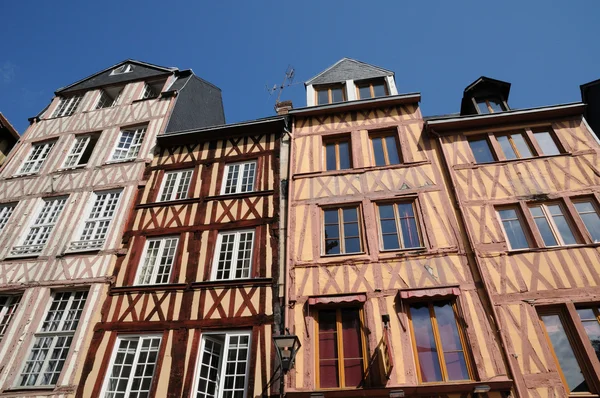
<point>191,309</point>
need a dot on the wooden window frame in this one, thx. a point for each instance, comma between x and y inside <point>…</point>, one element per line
<point>525,225</point>
<point>573,332</point>
<point>509,135</point>
<point>328,87</point>
<point>486,137</point>
<point>35,161</point>
<point>553,227</point>
<point>584,231</point>
<point>553,135</point>
<point>502,103</point>
<point>76,151</point>
<point>340,346</point>
<point>336,141</point>
<point>418,218</point>
<point>162,241</point>
<point>178,183</point>
<point>386,155</point>
<point>370,84</point>
<point>340,209</point>
<point>438,342</point>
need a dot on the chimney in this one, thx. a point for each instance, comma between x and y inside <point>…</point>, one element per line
<point>283,107</point>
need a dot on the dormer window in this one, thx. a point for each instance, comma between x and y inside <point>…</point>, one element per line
<point>371,89</point>
<point>109,97</point>
<point>122,69</point>
<point>490,105</point>
<point>330,94</point>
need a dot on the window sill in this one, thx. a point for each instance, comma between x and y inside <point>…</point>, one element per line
<point>22,256</point>
<point>70,251</point>
<point>129,160</point>
<point>22,175</point>
<point>143,99</point>
<point>67,169</point>
<point>509,161</point>
<point>358,170</point>
<point>336,256</point>
<point>205,199</point>
<point>404,251</point>
<point>552,248</point>
<point>191,286</point>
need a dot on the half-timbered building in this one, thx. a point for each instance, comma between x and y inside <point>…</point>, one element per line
<point>65,192</point>
<point>196,286</point>
<point>381,290</point>
<point>527,184</point>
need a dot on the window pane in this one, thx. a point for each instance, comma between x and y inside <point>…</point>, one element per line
<point>507,148</point>
<point>481,150</point>
<point>591,326</point>
<point>85,157</point>
<point>521,145</point>
<point>392,150</point>
<point>330,156</point>
<point>561,223</point>
<point>426,350</point>
<point>514,230</point>
<point>379,89</point>
<point>364,92</point>
<point>543,226</point>
<point>546,143</point>
<point>590,218</point>
<point>337,94</point>
<point>408,223</point>
<point>482,105</point>
<point>352,343</point>
<point>350,214</point>
<point>322,97</point>
<point>328,353</point>
<point>344,155</point>
<point>496,105</point>
<point>378,151</point>
<point>564,354</point>
<point>451,344</point>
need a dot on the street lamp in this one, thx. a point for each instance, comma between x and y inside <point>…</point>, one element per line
<point>287,346</point>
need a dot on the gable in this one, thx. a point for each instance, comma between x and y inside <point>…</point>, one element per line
<point>349,69</point>
<point>140,71</point>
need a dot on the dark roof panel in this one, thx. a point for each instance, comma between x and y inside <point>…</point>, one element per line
<point>348,69</point>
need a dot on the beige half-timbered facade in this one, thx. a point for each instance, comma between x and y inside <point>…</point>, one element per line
<point>65,192</point>
<point>191,309</point>
<point>381,289</point>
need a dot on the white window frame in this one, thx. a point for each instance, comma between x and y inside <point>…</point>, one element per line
<point>36,159</point>
<point>62,322</point>
<point>134,364</point>
<point>243,167</point>
<point>9,303</point>
<point>67,106</point>
<point>181,184</point>
<point>41,227</point>
<point>100,212</point>
<point>152,269</point>
<point>148,92</point>
<point>6,211</point>
<point>106,101</point>
<point>121,70</point>
<point>76,151</point>
<point>224,355</point>
<point>550,220</point>
<point>129,149</point>
<point>235,254</point>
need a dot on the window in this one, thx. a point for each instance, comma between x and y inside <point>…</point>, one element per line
<point>8,307</point>
<point>81,150</point>
<point>490,105</point>
<point>5,212</point>
<point>109,97</point>
<point>52,342</point>
<point>330,94</point>
<point>559,338</point>
<point>157,261</point>
<point>37,157</point>
<point>552,224</point>
<point>513,228</point>
<point>438,341</point>
<point>42,227</point>
<point>132,367</point>
<point>341,348</point>
<point>481,150</point>
<point>399,229</point>
<point>371,89</point>
<point>152,90</point>
<point>514,146</point>
<point>67,106</point>
<point>233,256</point>
<point>122,69</point>
<point>342,231</point>
<point>129,144</point>
<point>586,209</point>
<point>95,227</point>
<point>337,154</point>
<point>239,177</point>
<point>546,142</point>
<point>222,370</point>
<point>590,318</point>
<point>176,185</point>
<point>385,149</point>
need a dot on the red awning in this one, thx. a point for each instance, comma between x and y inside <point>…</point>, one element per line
<point>353,298</point>
<point>444,291</point>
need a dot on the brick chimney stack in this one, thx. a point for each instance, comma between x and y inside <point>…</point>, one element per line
<point>283,107</point>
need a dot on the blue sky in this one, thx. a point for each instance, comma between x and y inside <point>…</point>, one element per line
<point>546,49</point>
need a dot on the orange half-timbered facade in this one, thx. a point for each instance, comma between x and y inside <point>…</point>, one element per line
<point>191,309</point>
<point>380,288</point>
<point>528,188</point>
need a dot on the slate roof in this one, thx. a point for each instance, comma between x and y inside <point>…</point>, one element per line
<point>141,71</point>
<point>348,69</point>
